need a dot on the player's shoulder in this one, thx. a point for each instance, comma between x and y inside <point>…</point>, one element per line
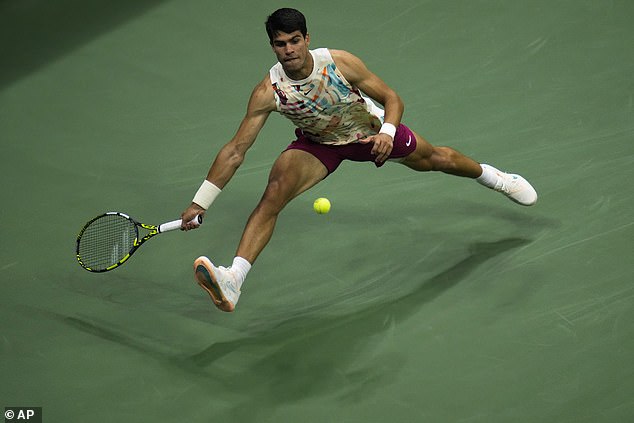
<point>350,65</point>
<point>264,84</point>
<point>346,60</point>
<point>342,55</point>
<point>262,96</point>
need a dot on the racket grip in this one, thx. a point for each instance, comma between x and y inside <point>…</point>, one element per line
<point>176,224</point>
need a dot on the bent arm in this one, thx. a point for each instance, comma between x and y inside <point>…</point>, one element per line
<point>357,74</point>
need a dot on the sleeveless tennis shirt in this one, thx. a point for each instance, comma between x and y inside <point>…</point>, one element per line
<point>326,107</point>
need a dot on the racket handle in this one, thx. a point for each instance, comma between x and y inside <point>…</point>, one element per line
<point>176,224</point>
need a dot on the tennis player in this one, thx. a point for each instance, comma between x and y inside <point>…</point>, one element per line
<point>331,96</point>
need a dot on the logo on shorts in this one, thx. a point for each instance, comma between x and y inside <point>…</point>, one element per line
<point>409,141</point>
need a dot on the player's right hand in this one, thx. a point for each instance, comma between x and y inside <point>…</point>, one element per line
<point>189,214</point>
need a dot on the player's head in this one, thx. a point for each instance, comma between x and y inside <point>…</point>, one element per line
<point>285,20</point>
<point>290,41</point>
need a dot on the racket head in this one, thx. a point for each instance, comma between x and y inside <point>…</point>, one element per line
<point>107,241</point>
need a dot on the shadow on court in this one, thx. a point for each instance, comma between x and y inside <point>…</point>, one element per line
<point>324,351</point>
<point>36,32</point>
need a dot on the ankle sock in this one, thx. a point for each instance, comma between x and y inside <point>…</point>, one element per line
<point>240,268</point>
<point>490,176</point>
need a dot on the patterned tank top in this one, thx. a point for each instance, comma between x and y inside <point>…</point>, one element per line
<point>326,107</point>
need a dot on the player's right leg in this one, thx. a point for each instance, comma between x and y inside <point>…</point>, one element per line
<point>293,172</point>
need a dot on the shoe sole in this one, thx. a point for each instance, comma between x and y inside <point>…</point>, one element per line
<point>207,281</point>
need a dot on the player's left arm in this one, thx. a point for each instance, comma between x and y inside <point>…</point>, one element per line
<point>358,74</point>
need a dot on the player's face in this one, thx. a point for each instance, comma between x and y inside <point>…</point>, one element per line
<point>292,52</point>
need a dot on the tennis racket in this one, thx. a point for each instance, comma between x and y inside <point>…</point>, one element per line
<point>108,241</point>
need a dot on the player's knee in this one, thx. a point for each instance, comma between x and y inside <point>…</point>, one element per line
<point>274,198</point>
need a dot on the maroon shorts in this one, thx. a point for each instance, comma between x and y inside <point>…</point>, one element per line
<point>332,155</point>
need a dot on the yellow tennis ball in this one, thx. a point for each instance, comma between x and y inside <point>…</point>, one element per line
<point>321,206</point>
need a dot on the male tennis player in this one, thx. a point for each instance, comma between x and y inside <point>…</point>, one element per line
<point>328,95</point>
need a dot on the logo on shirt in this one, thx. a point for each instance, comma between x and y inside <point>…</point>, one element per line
<point>306,89</point>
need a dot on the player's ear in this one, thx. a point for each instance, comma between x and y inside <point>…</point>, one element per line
<point>307,38</point>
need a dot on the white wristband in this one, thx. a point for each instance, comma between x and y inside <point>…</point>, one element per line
<point>206,194</point>
<point>388,128</point>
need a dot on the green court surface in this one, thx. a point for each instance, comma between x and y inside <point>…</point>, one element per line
<point>418,298</point>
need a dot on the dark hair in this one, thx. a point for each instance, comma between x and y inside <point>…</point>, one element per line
<point>285,20</point>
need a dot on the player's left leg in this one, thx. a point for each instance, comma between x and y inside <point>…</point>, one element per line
<point>427,157</point>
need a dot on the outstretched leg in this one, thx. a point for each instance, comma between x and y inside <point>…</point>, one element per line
<point>293,172</point>
<point>427,157</point>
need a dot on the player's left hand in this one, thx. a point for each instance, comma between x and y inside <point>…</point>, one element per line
<point>383,144</point>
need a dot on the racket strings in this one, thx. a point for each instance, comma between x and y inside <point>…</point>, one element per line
<point>106,241</point>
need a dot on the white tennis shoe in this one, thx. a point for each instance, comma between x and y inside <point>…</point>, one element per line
<point>219,282</point>
<point>513,186</point>
<point>517,189</point>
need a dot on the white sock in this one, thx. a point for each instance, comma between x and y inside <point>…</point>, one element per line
<point>490,176</point>
<point>240,268</point>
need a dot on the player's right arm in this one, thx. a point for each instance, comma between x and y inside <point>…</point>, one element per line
<point>231,155</point>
